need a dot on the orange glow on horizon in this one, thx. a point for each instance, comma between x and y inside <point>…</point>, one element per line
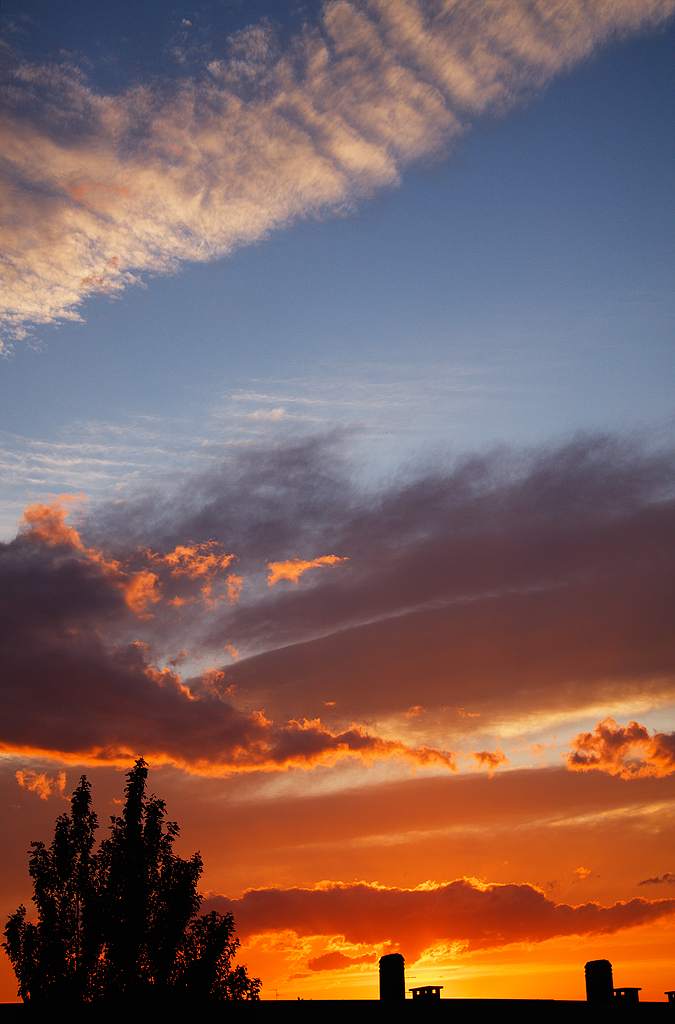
<point>552,969</point>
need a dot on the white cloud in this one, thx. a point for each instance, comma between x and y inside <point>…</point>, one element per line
<point>267,414</point>
<point>101,189</point>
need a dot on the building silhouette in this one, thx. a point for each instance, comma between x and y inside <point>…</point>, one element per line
<point>604,1005</point>
<point>427,992</point>
<point>599,981</point>
<point>392,978</point>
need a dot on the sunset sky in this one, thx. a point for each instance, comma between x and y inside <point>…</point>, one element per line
<point>338,471</point>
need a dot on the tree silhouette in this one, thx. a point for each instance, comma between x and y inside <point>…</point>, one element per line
<point>121,922</point>
<point>50,958</point>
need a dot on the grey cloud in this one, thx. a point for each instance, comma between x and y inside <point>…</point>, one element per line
<point>510,585</point>
<point>507,584</point>
<point>73,680</point>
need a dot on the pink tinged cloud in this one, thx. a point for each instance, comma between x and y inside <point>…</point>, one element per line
<point>140,181</point>
<point>627,751</point>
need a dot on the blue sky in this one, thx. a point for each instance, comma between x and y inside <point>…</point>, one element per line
<point>516,289</point>
<point>349,329</point>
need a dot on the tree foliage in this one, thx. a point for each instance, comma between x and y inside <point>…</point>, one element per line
<point>122,921</point>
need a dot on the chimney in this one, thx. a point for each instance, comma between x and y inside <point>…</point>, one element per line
<point>392,978</point>
<point>599,982</point>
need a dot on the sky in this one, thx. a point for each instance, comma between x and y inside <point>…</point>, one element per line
<point>338,472</point>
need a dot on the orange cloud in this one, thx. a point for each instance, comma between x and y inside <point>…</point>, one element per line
<point>45,525</point>
<point>234,587</point>
<point>415,711</point>
<point>477,915</point>
<point>627,751</point>
<point>308,743</point>
<point>121,704</point>
<point>44,784</point>
<point>435,610</point>
<point>200,561</point>
<point>188,725</point>
<point>294,568</point>
<point>139,588</point>
<point>194,560</point>
<point>261,747</point>
<point>490,759</point>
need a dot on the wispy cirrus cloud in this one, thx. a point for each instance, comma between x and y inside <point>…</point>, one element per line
<point>101,189</point>
<point>92,457</point>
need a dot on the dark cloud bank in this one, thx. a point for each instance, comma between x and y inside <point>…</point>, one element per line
<point>513,584</point>
<point>413,920</point>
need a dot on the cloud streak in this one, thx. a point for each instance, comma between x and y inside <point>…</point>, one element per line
<point>101,189</point>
